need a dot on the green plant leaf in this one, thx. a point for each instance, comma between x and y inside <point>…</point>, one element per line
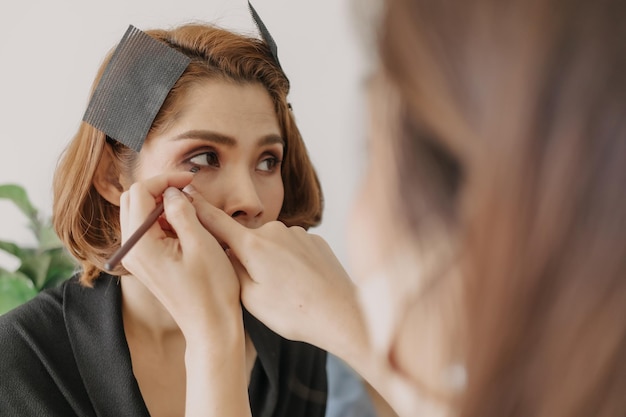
<point>48,239</point>
<point>36,268</point>
<point>14,249</point>
<point>18,195</point>
<point>41,267</point>
<point>62,266</point>
<point>15,289</point>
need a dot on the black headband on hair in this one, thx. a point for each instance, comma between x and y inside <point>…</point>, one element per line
<point>136,82</point>
<point>133,87</point>
<point>265,34</point>
<point>269,40</point>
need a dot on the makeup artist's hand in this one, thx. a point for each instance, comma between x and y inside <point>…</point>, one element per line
<point>290,280</point>
<point>188,272</point>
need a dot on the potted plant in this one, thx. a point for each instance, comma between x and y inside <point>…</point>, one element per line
<point>42,266</point>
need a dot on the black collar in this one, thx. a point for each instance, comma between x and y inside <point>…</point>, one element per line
<point>93,318</point>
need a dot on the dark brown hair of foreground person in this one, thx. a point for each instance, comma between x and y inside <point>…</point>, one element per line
<point>89,225</point>
<point>514,136</point>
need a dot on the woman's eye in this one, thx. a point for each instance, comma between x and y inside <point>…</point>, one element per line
<point>268,164</point>
<point>206,159</point>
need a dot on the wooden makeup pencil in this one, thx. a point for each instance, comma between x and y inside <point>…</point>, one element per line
<point>119,254</point>
<point>116,258</point>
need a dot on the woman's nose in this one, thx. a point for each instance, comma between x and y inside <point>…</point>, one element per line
<point>241,199</point>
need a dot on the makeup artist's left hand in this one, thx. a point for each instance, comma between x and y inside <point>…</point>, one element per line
<point>188,273</point>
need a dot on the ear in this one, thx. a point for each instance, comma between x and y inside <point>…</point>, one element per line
<point>107,178</point>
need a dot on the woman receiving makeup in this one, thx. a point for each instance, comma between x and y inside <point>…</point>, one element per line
<point>164,333</point>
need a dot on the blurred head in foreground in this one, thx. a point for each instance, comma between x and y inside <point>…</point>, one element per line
<point>496,284</point>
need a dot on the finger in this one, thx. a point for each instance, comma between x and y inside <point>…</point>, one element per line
<point>124,204</point>
<point>156,185</point>
<point>218,223</point>
<point>143,198</point>
<point>136,207</point>
<point>134,237</point>
<point>181,215</point>
<point>142,213</point>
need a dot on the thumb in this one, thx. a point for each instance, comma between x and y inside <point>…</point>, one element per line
<point>223,227</point>
<point>180,215</point>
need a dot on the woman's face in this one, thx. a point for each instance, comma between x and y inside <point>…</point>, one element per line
<point>376,242</point>
<point>229,133</point>
<point>387,265</point>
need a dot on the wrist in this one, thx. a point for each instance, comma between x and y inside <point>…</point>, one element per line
<point>216,337</point>
<point>350,340</point>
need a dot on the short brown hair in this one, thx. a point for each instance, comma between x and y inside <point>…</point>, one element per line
<point>89,225</point>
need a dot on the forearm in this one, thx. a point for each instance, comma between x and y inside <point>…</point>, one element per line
<point>216,379</point>
<point>349,340</point>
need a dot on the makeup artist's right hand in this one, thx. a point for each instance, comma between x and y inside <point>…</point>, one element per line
<point>188,273</point>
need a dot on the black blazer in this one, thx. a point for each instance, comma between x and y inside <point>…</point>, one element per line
<point>64,353</point>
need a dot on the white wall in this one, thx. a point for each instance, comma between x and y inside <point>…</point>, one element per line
<point>49,52</point>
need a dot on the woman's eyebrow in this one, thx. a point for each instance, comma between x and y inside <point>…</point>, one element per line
<point>207,135</point>
<point>270,140</point>
<point>222,139</point>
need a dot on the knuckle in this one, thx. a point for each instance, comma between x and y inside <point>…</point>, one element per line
<point>124,197</point>
<point>129,262</point>
<point>298,229</point>
<point>135,188</point>
<point>275,228</point>
<point>177,209</point>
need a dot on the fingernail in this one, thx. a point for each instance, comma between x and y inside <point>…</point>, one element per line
<point>190,198</point>
<point>171,192</point>
<point>189,189</point>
